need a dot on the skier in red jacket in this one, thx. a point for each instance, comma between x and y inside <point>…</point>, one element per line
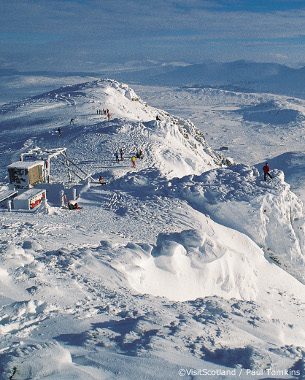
<point>266,170</point>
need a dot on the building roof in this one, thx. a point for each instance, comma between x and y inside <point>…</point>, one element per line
<point>30,193</point>
<point>5,194</point>
<point>24,164</point>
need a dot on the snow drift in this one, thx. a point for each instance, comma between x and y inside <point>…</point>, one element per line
<point>214,261</point>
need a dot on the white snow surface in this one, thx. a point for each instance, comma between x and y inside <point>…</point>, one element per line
<point>187,262</point>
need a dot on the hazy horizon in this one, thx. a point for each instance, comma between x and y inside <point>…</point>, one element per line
<point>88,35</point>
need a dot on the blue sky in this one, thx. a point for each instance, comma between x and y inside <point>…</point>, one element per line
<point>88,35</point>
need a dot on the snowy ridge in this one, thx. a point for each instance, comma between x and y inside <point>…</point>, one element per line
<point>176,262</point>
<point>129,116</point>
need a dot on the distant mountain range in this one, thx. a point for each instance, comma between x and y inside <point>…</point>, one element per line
<point>238,76</point>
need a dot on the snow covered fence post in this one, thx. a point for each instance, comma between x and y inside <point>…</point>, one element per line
<point>46,205</point>
<point>62,198</point>
<point>9,206</point>
<point>74,194</point>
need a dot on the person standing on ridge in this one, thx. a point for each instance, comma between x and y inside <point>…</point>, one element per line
<point>133,159</point>
<point>122,154</point>
<point>117,156</point>
<point>266,170</point>
<point>139,154</point>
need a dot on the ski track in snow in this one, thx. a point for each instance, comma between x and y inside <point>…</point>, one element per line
<point>180,262</point>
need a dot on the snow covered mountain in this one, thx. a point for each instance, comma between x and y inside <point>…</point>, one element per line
<point>186,262</point>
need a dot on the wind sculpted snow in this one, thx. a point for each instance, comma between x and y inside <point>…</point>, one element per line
<point>238,198</point>
<point>180,263</point>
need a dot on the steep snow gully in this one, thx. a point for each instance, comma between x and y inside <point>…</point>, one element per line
<point>186,261</point>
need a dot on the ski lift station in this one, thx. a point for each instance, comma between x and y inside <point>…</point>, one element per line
<point>29,178</point>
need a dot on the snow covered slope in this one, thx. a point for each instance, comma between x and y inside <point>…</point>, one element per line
<point>178,140</point>
<point>183,262</point>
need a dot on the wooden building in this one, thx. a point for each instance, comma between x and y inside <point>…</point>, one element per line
<point>25,174</point>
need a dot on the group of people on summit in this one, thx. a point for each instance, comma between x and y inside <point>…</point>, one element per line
<point>119,156</point>
<point>104,112</point>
